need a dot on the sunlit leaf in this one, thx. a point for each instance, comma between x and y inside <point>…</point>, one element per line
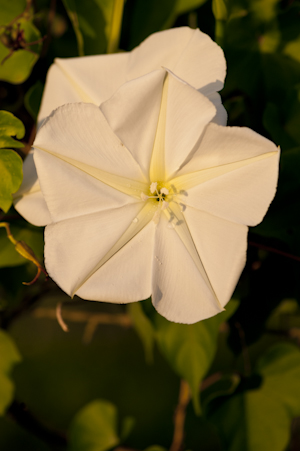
<point>190,349</point>
<point>10,126</point>
<point>11,176</point>
<point>9,357</point>
<point>260,419</point>
<point>16,33</point>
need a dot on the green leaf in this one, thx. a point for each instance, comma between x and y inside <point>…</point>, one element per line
<point>10,126</point>
<point>18,65</point>
<point>9,10</point>
<point>143,327</point>
<point>92,23</point>
<point>150,16</point>
<point>155,448</point>
<point>260,419</point>
<point>127,427</point>
<point>190,348</point>
<point>94,428</point>
<point>9,357</point>
<point>11,169</point>
<point>32,236</point>
<point>32,99</point>
<point>184,6</point>
<point>225,385</point>
<point>11,165</point>
<point>219,8</point>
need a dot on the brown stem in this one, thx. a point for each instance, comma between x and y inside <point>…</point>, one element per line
<point>274,250</point>
<point>210,380</point>
<point>179,416</point>
<point>19,413</point>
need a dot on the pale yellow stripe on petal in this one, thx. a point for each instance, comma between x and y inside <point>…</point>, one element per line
<point>188,181</point>
<point>138,223</point>
<point>157,164</point>
<point>127,186</point>
<point>176,217</point>
<point>81,92</point>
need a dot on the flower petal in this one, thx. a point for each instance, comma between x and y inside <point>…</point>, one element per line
<point>91,264</point>
<point>222,246</point>
<point>70,191</point>
<point>85,79</point>
<point>188,113</point>
<point>237,180</point>
<point>221,114</point>
<point>179,293</point>
<point>183,51</point>
<point>80,132</point>
<point>224,145</point>
<point>241,196</point>
<point>132,112</point>
<point>29,200</point>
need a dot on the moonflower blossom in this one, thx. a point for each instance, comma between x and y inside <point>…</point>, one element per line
<point>147,196</point>
<point>190,54</point>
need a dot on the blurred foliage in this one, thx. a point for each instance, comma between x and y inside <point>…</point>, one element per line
<point>259,418</point>
<point>95,428</point>
<point>242,366</point>
<point>9,357</point>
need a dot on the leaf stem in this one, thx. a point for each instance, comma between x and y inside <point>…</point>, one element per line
<point>116,25</point>
<point>179,416</point>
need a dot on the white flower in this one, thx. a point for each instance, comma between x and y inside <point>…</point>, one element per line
<point>148,197</point>
<point>190,54</point>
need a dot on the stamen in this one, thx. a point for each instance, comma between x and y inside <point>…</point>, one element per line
<point>164,205</point>
<point>153,187</point>
<point>164,191</point>
<point>144,196</point>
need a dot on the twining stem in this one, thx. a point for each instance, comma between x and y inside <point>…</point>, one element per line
<point>179,416</point>
<point>116,25</point>
<point>92,320</point>
<point>20,414</point>
<point>274,250</point>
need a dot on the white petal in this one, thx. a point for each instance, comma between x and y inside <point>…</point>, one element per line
<point>71,192</point>
<point>80,132</point>
<point>58,91</point>
<point>241,196</point>
<point>179,292</point>
<point>241,178</point>
<point>222,246</point>
<point>74,248</point>
<point>132,112</point>
<point>190,54</point>
<point>34,209</point>
<point>224,145</point>
<point>221,115</point>
<point>85,79</point>
<point>188,113</point>
<point>29,200</point>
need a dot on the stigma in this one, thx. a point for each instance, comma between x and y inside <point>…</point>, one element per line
<point>159,194</point>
